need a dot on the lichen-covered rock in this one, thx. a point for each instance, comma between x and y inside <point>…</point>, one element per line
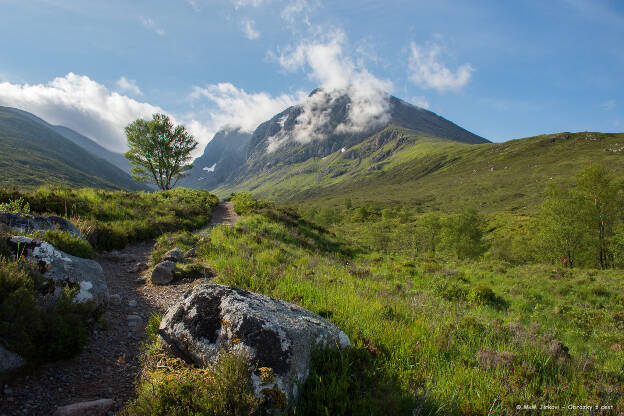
<point>163,273</point>
<point>175,255</point>
<point>277,336</point>
<point>27,223</point>
<point>64,268</point>
<point>9,361</point>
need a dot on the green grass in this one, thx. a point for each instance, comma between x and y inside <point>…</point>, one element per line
<point>67,242</point>
<point>431,334</point>
<point>112,219</point>
<point>169,386</point>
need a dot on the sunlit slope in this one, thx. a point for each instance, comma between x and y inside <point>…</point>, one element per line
<point>399,166</point>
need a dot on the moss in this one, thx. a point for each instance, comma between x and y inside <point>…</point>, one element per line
<point>275,398</point>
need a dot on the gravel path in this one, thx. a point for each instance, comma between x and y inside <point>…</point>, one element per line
<point>109,362</point>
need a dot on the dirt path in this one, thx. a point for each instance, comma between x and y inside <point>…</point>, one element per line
<point>223,215</point>
<point>109,362</point>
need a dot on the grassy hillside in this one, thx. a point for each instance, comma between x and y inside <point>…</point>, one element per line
<point>32,154</point>
<point>398,166</point>
<point>431,334</point>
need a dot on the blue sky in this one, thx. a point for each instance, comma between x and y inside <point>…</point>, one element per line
<point>502,70</point>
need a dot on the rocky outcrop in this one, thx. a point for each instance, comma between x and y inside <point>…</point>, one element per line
<point>277,336</point>
<point>9,361</point>
<point>27,223</point>
<point>63,268</point>
<point>163,273</point>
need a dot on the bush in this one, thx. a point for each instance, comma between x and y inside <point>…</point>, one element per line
<point>67,242</point>
<point>17,206</point>
<point>483,295</point>
<point>223,388</point>
<point>246,203</point>
<point>29,328</point>
<point>463,234</point>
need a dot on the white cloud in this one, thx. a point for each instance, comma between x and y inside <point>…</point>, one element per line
<point>297,11</point>
<point>229,106</point>
<point>88,107</point>
<point>326,62</point>
<point>427,71</point>
<point>128,85</point>
<point>421,101</point>
<point>150,24</point>
<point>244,3</point>
<point>608,105</point>
<point>248,28</point>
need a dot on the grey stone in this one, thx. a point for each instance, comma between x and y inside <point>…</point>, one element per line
<point>64,268</point>
<point>93,408</point>
<point>138,267</point>
<point>115,299</point>
<point>163,273</point>
<point>273,333</point>
<point>175,255</point>
<point>132,303</point>
<point>10,361</point>
<point>134,317</point>
<point>27,223</point>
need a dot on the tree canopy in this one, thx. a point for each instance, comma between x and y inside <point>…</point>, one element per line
<point>159,151</point>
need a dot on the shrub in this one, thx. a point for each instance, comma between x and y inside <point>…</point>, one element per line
<point>17,206</point>
<point>483,295</point>
<point>223,388</point>
<point>33,330</point>
<point>246,203</point>
<point>67,242</point>
<point>463,234</point>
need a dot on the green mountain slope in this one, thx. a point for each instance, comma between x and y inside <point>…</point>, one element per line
<point>399,166</point>
<point>85,142</point>
<point>33,154</point>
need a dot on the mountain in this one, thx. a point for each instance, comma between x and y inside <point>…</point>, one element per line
<point>92,147</point>
<point>332,131</point>
<point>401,167</point>
<point>85,142</point>
<point>33,153</point>
<point>222,158</point>
<point>320,126</point>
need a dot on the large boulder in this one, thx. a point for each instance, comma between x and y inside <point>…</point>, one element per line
<point>63,268</point>
<point>277,336</point>
<point>9,361</point>
<point>28,223</point>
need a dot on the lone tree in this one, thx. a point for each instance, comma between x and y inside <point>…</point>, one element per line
<point>159,152</point>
